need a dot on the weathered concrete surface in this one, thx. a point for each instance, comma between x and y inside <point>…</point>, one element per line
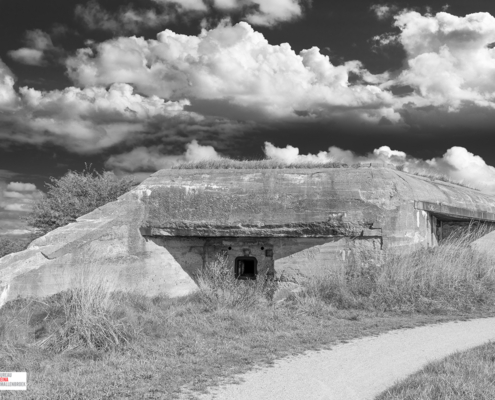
<point>107,243</point>
<point>153,238</point>
<point>301,203</point>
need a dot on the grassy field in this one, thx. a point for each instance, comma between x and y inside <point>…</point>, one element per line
<point>468,375</point>
<point>93,343</point>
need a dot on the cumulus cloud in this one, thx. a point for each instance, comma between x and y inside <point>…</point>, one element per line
<point>91,119</point>
<point>16,199</point>
<point>256,12</point>
<point>39,49</point>
<point>161,12</point>
<point>21,187</point>
<point>8,96</point>
<point>384,11</point>
<point>457,163</point>
<point>274,11</point>
<point>186,5</point>
<point>127,19</point>
<point>154,158</point>
<point>237,65</point>
<point>449,60</point>
<point>129,88</point>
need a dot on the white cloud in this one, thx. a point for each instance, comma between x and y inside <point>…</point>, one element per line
<point>457,163</point>
<point>237,65</point>
<point>226,4</point>
<point>449,62</point>
<point>17,196</point>
<point>8,96</point>
<point>463,166</point>
<point>196,152</point>
<point>17,232</point>
<point>17,207</point>
<point>90,119</point>
<point>290,154</point>
<point>385,39</point>
<point>39,47</point>
<point>186,5</point>
<point>271,12</point>
<point>21,187</point>
<point>16,199</point>
<point>287,155</point>
<point>384,11</point>
<point>128,19</point>
<point>154,159</point>
<point>141,159</point>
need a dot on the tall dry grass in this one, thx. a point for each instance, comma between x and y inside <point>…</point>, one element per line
<point>451,276</point>
<point>86,316</point>
<point>89,321</point>
<point>219,288</point>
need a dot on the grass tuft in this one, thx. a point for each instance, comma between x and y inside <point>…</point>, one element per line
<point>88,322</point>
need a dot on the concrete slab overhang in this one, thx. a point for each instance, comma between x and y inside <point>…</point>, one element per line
<point>315,230</point>
<point>454,213</point>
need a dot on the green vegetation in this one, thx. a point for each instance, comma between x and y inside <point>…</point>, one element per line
<point>451,276</point>
<point>227,163</point>
<point>462,376</point>
<point>91,342</point>
<point>76,194</point>
<point>67,198</point>
<point>9,245</point>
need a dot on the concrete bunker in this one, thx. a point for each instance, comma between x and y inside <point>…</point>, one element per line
<point>446,222</point>
<point>292,222</point>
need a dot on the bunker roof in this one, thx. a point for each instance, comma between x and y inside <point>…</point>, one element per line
<point>297,201</point>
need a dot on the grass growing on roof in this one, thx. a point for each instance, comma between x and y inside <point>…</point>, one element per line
<point>227,163</point>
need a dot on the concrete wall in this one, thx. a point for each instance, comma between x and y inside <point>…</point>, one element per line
<point>293,258</point>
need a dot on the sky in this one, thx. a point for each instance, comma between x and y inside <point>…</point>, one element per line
<point>136,86</point>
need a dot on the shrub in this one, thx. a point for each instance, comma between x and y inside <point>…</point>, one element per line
<point>8,246</point>
<point>76,194</point>
<point>219,288</point>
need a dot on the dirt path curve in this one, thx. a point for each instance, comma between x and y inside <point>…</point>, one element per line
<point>358,370</point>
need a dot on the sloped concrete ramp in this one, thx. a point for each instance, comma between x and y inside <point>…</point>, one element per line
<point>358,370</point>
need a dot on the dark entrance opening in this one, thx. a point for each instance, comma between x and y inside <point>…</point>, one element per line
<point>246,267</point>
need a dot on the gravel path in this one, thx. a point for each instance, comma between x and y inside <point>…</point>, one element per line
<point>358,370</point>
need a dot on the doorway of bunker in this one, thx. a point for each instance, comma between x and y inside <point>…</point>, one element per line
<point>246,268</point>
